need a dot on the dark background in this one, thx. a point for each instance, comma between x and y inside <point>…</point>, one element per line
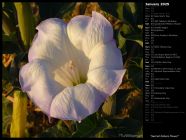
<point>172,124</point>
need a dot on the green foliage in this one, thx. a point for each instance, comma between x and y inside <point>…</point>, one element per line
<point>7,25</point>
<point>6,116</point>
<point>58,130</point>
<point>26,22</point>
<point>136,73</point>
<point>124,127</point>
<point>19,115</point>
<point>91,127</point>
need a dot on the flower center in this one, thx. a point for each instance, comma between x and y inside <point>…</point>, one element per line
<point>75,75</point>
<point>69,75</point>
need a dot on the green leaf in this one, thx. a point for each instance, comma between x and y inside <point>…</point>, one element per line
<point>132,34</point>
<point>140,26</point>
<point>129,12</point>
<point>19,115</point>
<point>3,4</point>
<point>141,63</point>
<point>126,29</point>
<point>136,74</point>
<point>85,128</point>
<point>120,10</point>
<point>102,126</point>
<point>133,50</point>
<point>7,24</point>
<point>129,31</point>
<point>26,22</point>
<point>132,7</point>
<point>6,115</point>
<point>124,128</point>
<point>121,40</point>
<point>139,42</point>
<point>140,133</point>
<point>137,38</point>
<point>56,131</point>
<point>12,37</point>
<point>91,127</point>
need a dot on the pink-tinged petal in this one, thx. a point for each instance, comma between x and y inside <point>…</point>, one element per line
<point>76,103</point>
<point>36,79</point>
<point>106,80</point>
<point>85,32</point>
<point>106,55</point>
<point>51,42</point>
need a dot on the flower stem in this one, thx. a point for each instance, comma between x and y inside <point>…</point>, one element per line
<point>19,115</point>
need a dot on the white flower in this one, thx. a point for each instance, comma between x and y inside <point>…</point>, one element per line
<point>72,68</point>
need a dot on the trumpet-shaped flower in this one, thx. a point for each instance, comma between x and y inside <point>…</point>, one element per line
<point>72,67</point>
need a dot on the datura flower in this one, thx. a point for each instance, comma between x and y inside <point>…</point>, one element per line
<point>72,67</point>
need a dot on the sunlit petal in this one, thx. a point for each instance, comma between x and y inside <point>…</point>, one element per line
<point>85,32</point>
<point>75,103</point>
<point>106,80</point>
<point>106,55</point>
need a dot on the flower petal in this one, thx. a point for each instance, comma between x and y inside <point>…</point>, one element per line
<point>106,55</point>
<point>106,80</point>
<point>93,31</point>
<point>98,30</point>
<point>36,79</point>
<point>51,42</point>
<point>76,103</point>
<point>76,29</point>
